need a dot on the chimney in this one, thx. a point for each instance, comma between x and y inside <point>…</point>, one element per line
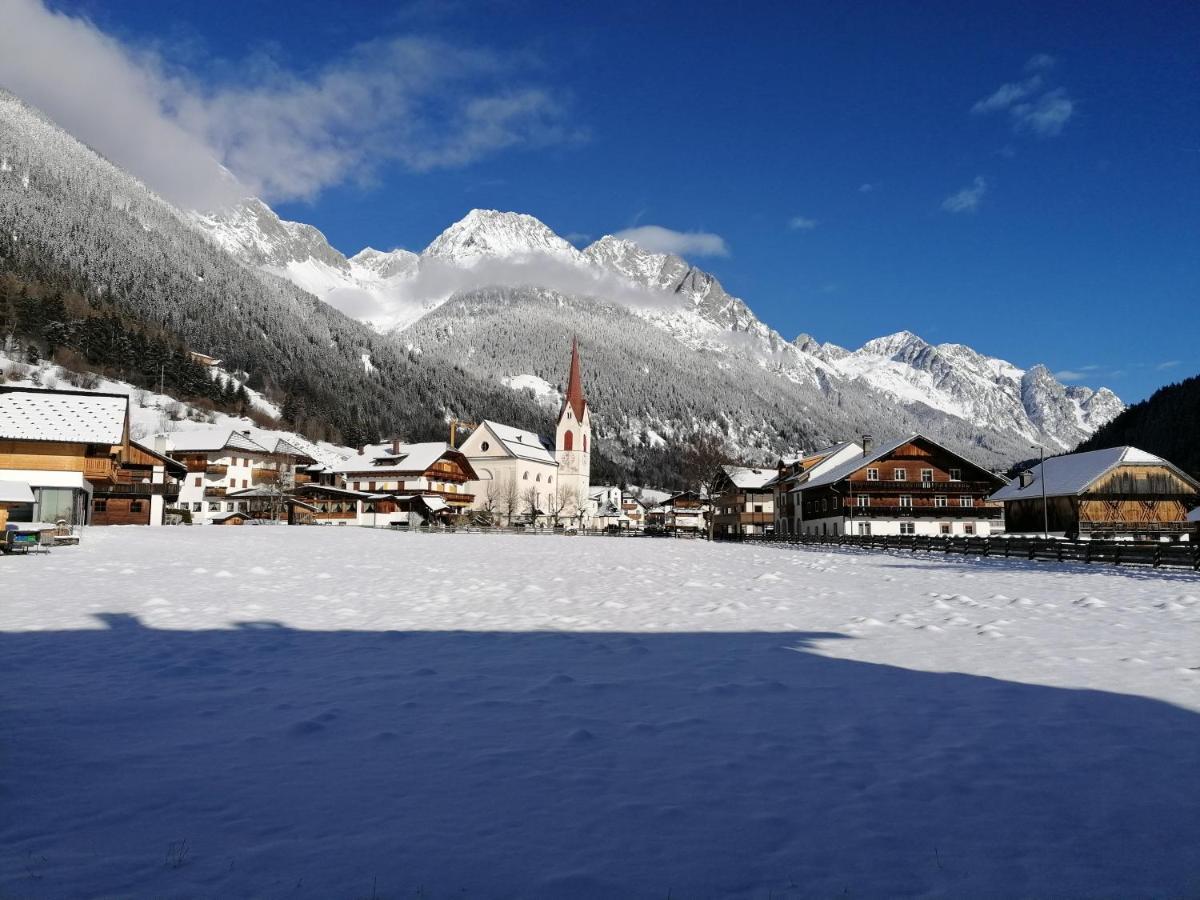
<point>160,444</point>
<point>867,440</point>
<point>361,450</point>
<point>1027,478</point>
<point>246,432</point>
<point>395,446</point>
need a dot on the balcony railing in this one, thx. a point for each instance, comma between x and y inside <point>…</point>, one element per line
<point>216,469</point>
<point>917,512</point>
<point>944,487</point>
<point>137,489</point>
<point>214,491</point>
<point>98,467</point>
<point>270,476</point>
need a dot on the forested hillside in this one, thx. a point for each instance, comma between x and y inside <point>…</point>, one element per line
<point>72,221</point>
<point>1166,423</point>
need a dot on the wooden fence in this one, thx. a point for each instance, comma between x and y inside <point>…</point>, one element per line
<point>1117,553</point>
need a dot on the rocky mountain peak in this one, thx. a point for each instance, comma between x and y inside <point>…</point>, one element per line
<point>254,233</point>
<point>483,233</point>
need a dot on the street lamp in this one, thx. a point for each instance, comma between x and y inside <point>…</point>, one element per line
<point>1042,477</point>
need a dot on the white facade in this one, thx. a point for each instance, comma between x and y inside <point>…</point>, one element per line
<point>949,527</point>
<point>515,468</point>
<point>232,462</point>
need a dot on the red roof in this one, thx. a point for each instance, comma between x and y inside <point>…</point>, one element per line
<point>574,387</point>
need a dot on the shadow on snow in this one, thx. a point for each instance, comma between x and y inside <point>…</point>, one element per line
<point>335,764</point>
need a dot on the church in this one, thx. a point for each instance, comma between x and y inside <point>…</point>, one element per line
<point>523,476</point>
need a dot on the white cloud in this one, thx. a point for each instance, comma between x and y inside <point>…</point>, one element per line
<point>1070,375</point>
<point>802,223</point>
<point>1169,364</point>
<point>1006,95</point>
<point>657,239</point>
<point>967,199</point>
<point>1030,104</point>
<point>1045,116</point>
<point>282,136</point>
<point>866,188</point>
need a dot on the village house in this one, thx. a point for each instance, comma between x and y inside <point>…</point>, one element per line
<point>73,450</point>
<point>633,510</point>
<point>910,486</point>
<point>1121,492</point>
<point>523,477</point>
<point>685,512</point>
<point>605,509</point>
<point>744,503</point>
<point>224,462</point>
<point>794,472</point>
<point>405,484</point>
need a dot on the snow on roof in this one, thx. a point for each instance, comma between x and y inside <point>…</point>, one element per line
<point>407,458</point>
<point>15,492</point>
<point>524,444</point>
<point>837,473</point>
<point>1194,515</point>
<point>749,478</point>
<point>211,440</point>
<point>1069,475</point>
<point>72,418</point>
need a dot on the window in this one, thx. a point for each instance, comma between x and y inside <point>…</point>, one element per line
<point>940,501</point>
<point>539,477</point>
<point>100,505</point>
<point>969,528</point>
<point>214,507</point>
<point>899,474</point>
<point>927,475</point>
<point>758,507</point>
<point>585,450</point>
<point>199,481</point>
<point>863,500</point>
<point>944,527</point>
<point>230,507</point>
<point>485,446</point>
<point>965,500</point>
<point>956,474</point>
<point>864,528</point>
<point>908,528</point>
<point>525,477</point>
<point>245,483</point>
<point>905,500</point>
<point>872,474</point>
<point>135,506</point>
<point>233,482</point>
<point>569,441</point>
<point>549,479</point>
<point>823,499</point>
<point>196,507</point>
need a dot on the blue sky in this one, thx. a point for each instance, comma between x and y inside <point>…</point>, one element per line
<point>1020,177</point>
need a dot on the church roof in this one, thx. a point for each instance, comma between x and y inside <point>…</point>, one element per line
<point>574,397</point>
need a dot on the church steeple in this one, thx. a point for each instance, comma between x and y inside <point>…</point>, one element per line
<point>574,397</point>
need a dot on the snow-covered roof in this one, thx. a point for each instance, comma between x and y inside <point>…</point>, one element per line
<point>1194,515</point>
<point>749,478</point>
<point>15,492</point>
<point>433,504</point>
<point>329,489</point>
<point>71,418</point>
<point>211,440</point>
<point>1070,475</point>
<point>405,458</point>
<point>850,466</point>
<point>524,444</point>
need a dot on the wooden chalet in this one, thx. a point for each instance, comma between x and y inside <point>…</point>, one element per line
<point>323,504</point>
<point>790,473</point>
<point>1121,492</point>
<point>744,502</point>
<point>72,448</point>
<point>682,513</point>
<point>395,474</point>
<point>911,486</point>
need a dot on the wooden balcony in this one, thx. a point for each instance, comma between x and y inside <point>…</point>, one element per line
<point>216,469</point>
<point>953,511</point>
<point>265,475</point>
<point>933,487</point>
<point>214,490</point>
<point>99,468</point>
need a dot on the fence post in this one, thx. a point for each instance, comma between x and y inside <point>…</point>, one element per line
<point>1158,555</point>
<point>1117,554</point>
<point>1087,553</point>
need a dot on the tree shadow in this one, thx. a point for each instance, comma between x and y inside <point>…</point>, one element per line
<point>264,761</point>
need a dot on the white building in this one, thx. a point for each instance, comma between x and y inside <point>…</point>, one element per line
<point>224,461</point>
<point>523,477</point>
<point>408,484</point>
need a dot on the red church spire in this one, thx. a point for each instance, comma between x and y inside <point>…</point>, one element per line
<point>575,386</point>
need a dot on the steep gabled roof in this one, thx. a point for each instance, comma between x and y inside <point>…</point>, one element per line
<point>523,444</point>
<point>574,397</point>
<point>75,418</point>
<point>848,468</point>
<point>1071,475</point>
<point>212,440</point>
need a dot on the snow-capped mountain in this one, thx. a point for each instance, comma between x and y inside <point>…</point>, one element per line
<point>961,382</point>
<point>489,250</point>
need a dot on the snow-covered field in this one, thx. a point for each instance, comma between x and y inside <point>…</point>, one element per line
<point>343,713</point>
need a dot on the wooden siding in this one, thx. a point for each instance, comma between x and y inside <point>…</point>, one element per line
<point>119,511</point>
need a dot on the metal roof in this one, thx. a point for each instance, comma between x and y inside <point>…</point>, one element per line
<point>67,417</point>
<point>1071,475</point>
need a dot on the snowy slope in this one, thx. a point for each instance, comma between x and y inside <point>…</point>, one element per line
<point>339,712</point>
<point>489,249</point>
